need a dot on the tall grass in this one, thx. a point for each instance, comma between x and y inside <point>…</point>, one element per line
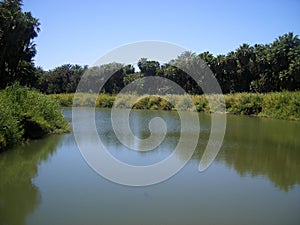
<point>28,114</point>
<point>84,99</point>
<point>245,103</point>
<point>279,105</point>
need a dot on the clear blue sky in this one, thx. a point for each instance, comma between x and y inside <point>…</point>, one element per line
<point>81,31</point>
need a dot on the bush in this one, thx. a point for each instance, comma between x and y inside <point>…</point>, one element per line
<point>201,103</point>
<point>105,101</point>
<point>10,131</point>
<point>28,114</point>
<point>244,103</point>
<point>65,100</point>
<point>280,105</point>
<point>142,103</point>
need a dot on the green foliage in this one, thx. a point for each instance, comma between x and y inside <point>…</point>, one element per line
<point>259,68</point>
<point>148,68</point>
<point>111,77</point>
<point>244,103</point>
<point>65,100</point>
<point>146,103</point>
<point>28,114</point>
<point>63,79</point>
<point>10,131</point>
<point>123,101</point>
<point>17,30</point>
<point>201,103</point>
<point>280,105</point>
<point>105,101</point>
<point>83,99</point>
<point>154,102</point>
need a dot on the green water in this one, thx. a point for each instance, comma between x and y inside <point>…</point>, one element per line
<point>254,180</point>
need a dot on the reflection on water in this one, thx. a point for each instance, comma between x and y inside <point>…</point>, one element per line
<point>259,147</point>
<point>254,180</point>
<point>264,147</point>
<point>18,196</point>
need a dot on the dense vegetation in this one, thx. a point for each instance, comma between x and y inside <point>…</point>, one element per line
<point>279,105</point>
<point>17,31</point>
<point>260,68</point>
<point>24,113</point>
<point>261,80</point>
<point>28,114</point>
<point>254,69</point>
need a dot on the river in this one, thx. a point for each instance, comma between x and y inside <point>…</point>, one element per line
<point>255,178</point>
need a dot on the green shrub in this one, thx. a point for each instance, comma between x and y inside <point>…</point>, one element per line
<point>165,105</point>
<point>142,103</point>
<point>105,101</point>
<point>153,103</point>
<point>282,105</point>
<point>10,131</point>
<point>201,103</point>
<point>28,114</point>
<point>65,100</point>
<point>244,103</point>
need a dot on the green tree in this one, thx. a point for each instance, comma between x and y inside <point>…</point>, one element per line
<point>110,76</point>
<point>277,65</point>
<point>63,79</point>
<point>286,52</point>
<point>246,58</point>
<point>148,67</point>
<point>17,31</point>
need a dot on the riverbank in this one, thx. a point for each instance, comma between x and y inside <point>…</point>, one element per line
<point>27,114</point>
<point>277,105</point>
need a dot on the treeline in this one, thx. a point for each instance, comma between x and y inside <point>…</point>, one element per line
<point>259,68</point>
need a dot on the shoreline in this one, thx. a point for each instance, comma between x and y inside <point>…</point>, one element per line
<point>275,105</point>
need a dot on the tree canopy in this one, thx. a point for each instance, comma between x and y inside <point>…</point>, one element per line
<point>17,31</point>
<point>258,68</point>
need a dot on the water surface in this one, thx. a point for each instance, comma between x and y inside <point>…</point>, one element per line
<point>254,180</point>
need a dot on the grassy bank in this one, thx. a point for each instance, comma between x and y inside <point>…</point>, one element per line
<point>278,105</point>
<point>28,114</point>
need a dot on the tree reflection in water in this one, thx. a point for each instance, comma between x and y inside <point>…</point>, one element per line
<point>261,147</point>
<point>18,195</point>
